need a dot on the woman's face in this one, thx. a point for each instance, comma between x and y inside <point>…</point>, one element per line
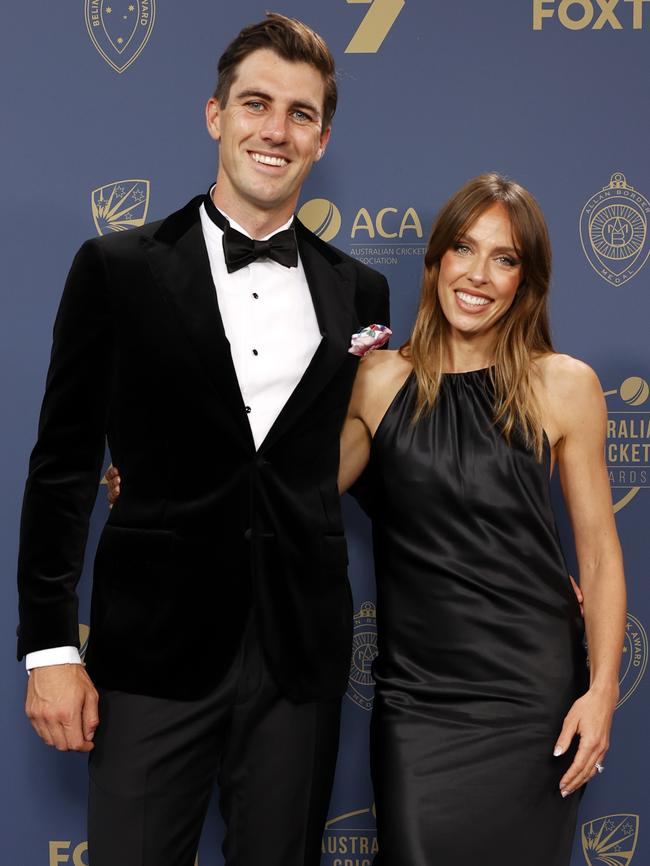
<point>480,274</point>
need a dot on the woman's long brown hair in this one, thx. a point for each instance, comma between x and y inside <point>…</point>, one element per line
<point>523,333</point>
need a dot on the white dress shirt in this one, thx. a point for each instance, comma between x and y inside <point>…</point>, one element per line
<point>269,320</point>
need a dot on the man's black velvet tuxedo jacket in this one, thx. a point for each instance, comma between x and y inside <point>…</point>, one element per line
<point>207,529</point>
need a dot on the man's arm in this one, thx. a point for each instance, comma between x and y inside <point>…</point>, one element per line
<point>59,495</point>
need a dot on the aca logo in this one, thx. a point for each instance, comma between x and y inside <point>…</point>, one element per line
<point>578,14</point>
<point>610,840</point>
<point>614,231</point>
<point>375,26</point>
<point>381,237</point>
<point>364,651</point>
<point>635,658</point>
<point>322,217</point>
<point>120,205</point>
<point>119,29</point>
<point>627,449</point>
<point>350,839</point>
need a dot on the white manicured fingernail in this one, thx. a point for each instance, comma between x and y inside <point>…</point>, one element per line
<point>565,793</point>
<point>557,751</point>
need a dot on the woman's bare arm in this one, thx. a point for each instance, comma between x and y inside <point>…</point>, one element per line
<point>575,397</point>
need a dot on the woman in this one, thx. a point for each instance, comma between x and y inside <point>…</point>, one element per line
<point>481,682</point>
<point>482,690</point>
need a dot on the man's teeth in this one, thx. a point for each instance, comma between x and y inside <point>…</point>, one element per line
<point>269,160</point>
<point>474,300</point>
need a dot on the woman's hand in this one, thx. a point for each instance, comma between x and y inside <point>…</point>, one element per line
<point>590,718</point>
<point>112,478</point>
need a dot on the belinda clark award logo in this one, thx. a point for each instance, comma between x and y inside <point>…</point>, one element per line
<point>120,29</point>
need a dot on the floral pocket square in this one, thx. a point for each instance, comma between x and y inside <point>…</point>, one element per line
<point>369,338</point>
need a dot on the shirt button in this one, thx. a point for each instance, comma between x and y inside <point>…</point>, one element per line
<point>255,295</point>
<point>248,409</point>
<point>255,352</point>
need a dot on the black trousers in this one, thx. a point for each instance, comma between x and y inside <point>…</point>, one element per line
<point>156,761</point>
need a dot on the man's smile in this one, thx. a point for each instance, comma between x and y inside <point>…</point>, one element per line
<point>268,159</point>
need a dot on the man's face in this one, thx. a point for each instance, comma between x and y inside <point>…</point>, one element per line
<point>269,133</point>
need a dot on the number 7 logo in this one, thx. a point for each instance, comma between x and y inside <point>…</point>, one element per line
<point>375,26</point>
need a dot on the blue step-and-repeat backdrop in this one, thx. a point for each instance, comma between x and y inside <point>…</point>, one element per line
<point>104,102</point>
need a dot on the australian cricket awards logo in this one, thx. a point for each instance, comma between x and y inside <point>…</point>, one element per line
<point>364,651</point>
<point>350,839</point>
<point>120,29</point>
<point>635,658</point>
<point>610,840</point>
<point>120,205</point>
<point>614,231</point>
<point>627,449</point>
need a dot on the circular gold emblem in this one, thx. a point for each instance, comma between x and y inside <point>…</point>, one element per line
<point>617,231</point>
<point>364,651</point>
<point>614,230</point>
<point>322,217</point>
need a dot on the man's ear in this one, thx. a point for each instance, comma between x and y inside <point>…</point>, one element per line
<point>213,118</point>
<point>324,138</point>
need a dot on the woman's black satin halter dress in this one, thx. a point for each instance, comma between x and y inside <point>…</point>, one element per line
<point>480,640</point>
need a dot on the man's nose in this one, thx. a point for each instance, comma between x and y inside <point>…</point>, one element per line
<point>274,128</point>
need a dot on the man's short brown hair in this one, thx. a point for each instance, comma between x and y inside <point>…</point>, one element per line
<point>288,38</point>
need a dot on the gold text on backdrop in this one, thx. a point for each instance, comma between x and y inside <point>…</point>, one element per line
<point>596,14</point>
<point>375,26</point>
<point>627,449</point>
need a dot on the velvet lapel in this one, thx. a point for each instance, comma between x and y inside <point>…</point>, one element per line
<point>332,285</point>
<point>179,261</point>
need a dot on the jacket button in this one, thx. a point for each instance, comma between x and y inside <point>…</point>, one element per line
<point>247,534</point>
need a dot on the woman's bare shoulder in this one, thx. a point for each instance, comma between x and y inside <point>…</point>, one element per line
<point>380,368</point>
<point>571,392</point>
<point>566,377</point>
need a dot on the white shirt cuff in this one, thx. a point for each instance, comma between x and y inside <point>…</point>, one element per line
<point>59,655</point>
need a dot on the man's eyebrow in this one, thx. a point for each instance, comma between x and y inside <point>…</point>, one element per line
<point>260,94</point>
<point>243,94</point>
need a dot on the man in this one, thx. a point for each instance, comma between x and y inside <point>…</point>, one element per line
<point>212,353</point>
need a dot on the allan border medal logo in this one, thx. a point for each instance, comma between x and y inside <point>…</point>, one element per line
<point>119,30</point>
<point>364,651</point>
<point>635,658</point>
<point>614,231</point>
<point>610,840</point>
<point>120,205</point>
<point>627,449</point>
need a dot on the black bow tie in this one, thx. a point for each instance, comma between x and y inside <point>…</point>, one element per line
<point>240,250</point>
